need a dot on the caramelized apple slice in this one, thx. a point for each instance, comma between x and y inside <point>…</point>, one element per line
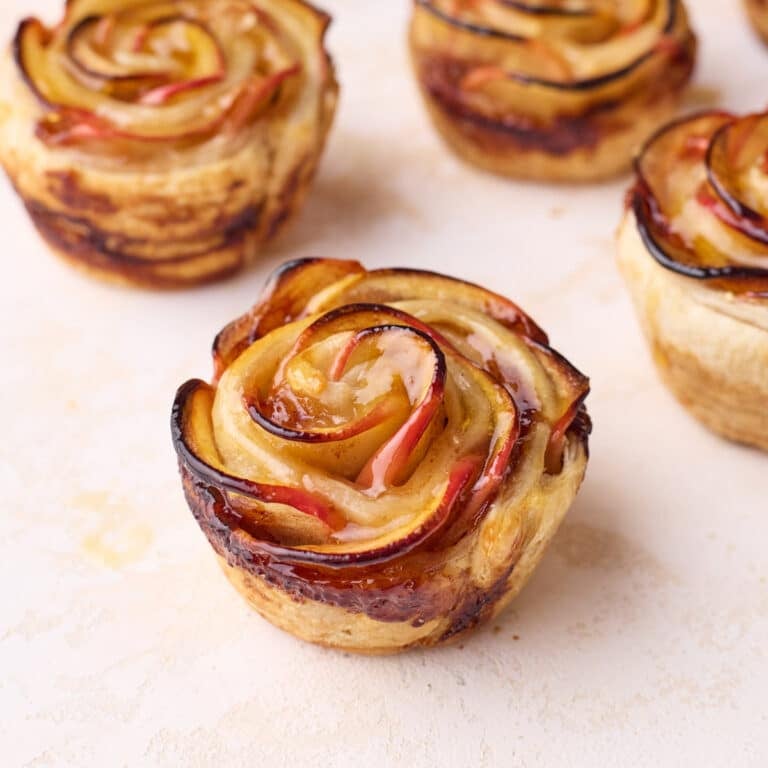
<point>674,198</point>
<point>301,513</point>
<point>399,542</point>
<point>735,156</point>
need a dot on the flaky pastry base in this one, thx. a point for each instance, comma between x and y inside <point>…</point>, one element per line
<point>310,618</point>
<point>715,364</point>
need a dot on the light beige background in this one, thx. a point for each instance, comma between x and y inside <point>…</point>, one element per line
<point>641,640</point>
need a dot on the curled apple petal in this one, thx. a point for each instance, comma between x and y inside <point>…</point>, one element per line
<point>758,15</point>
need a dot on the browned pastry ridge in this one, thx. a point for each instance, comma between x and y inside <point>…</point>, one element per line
<point>758,15</point>
<point>693,248</point>
<point>163,142</point>
<point>383,456</point>
<point>542,89</point>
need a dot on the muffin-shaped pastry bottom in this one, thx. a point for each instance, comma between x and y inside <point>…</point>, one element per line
<point>343,626</point>
<point>714,363</point>
<point>586,150</point>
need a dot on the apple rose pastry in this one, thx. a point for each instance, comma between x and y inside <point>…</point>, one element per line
<point>162,142</point>
<point>693,248</point>
<point>383,456</point>
<point>561,90</point>
<point>758,14</point>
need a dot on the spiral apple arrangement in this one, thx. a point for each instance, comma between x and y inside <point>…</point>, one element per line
<point>383,455</point>
<point>162,141</point>
<point>104,75</point>
<point>694,249</point>
<point>550,90</point>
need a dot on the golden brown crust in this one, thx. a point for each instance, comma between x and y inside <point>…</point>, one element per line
<point>439,529</point>
<point>758,15</point>
<point>506,100</point>
<point>177,209</point>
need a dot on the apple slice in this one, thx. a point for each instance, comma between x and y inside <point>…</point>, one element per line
<point>733,151</point>
<point>284,299</point>
<point>392,544</point>
<point>379,414</point>
<point>164,93</point>
<point>391,285</point>
<point>87,51</point>
<point>195,445</point>
<point>392,463</point>
<point>254,95</point>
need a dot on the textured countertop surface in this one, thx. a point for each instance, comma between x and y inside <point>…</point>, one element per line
<point>642,638</point>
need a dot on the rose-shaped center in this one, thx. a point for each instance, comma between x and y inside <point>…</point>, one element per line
<point>375,393</point>
<point>173,69</point>
<point>372,410</point>
<point>150,61</point>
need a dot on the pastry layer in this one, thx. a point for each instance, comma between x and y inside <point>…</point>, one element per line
<point>713,360</point>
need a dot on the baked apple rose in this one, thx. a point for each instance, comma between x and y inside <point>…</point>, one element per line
<point>561,90</point>
<point>758,14</point>
<point>694,251</point>
<point>383,456</point>
<point>162,142</point>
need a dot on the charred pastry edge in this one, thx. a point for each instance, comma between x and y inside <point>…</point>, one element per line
<point>576,85</point>
<point>645,208</point>
<point>73,229</point>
